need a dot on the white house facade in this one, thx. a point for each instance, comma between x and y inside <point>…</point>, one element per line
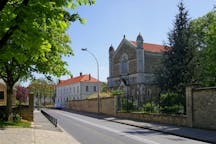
<point>76,88</point>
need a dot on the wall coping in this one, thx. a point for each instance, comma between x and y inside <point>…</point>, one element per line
<point>93,99</point>
<point>156,114</point>
<point>205,88</point>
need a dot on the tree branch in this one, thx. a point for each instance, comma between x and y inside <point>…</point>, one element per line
<point>14,27</point>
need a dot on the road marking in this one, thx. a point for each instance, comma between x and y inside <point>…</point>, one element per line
<point>109,129</point>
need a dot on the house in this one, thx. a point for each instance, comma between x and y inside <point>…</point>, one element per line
<point>76,88</point>
<point>3,94</point>
<point>132,68</point>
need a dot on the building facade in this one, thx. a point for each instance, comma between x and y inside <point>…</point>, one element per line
<point>76,88</point>
<point>132,68</point>
<point>3,94</point>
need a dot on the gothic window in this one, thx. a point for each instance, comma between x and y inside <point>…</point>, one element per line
<point>124,68</point>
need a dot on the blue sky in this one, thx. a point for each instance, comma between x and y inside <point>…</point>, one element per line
<point>109,20</point>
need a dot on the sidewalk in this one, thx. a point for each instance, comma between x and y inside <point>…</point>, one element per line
<point>42,132</point>
<point>192,133</point>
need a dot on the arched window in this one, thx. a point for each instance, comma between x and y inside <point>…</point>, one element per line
<point>124,67</point>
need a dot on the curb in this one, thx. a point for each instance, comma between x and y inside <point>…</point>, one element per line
<point>150,128</point>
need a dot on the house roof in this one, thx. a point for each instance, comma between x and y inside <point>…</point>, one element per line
<point>151,47</point>
<point>81,78</point>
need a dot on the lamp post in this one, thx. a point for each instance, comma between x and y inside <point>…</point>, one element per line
<point>98,83</point>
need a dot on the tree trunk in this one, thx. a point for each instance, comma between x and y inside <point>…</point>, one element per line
<point>9,112</point>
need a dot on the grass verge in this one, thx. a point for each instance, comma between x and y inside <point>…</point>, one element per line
<point>21,124</point>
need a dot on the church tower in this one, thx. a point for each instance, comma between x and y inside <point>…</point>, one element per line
<point>140,54</point>
<point>111,53</point>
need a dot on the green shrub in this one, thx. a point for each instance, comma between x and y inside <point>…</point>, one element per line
<point>148,107</point>
<point>127,105</point>
<point>17,118</point>
<point>172,103</point>
<point>175,109</point>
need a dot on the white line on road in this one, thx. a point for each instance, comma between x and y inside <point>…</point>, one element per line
<point>109,129</point>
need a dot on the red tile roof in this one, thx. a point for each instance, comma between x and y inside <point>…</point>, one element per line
<point>151,47</point>
<point>82,78</point>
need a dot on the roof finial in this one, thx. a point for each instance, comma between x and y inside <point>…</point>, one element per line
<point>111,48</point>
<point>124,36</point>
<point>139,37</point>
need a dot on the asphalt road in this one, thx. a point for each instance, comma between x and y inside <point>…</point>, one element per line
<point>93,129</point>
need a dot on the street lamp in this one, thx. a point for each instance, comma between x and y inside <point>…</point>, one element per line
<point>98,96</point>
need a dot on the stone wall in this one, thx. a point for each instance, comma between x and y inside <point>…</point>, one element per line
<point>204,108</point>
<point>160,118</point>
<point>26,111</point>
<point>91,105</point>
<point>201,109</point>
<point>108,106</point>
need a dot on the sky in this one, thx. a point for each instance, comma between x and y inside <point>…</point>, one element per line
<point>110,20</point>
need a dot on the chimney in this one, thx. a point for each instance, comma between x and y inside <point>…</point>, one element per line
<point>89,76</point>
<point>80,73</point>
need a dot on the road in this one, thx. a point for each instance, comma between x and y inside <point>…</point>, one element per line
<point>93,129</point>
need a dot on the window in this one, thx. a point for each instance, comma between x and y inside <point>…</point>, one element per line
<point>78,89</point>
<point>87,88</point>
<point>1,95</point>
<point>124,64</point>
<point>95,89</point>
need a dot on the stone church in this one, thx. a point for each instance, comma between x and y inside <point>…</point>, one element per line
<point>132,67</point>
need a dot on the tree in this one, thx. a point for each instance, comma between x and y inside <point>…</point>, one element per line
<point>22,94</point>
<point>105,87</point>
<point>177,62</point>
<point>33,39</point>
<point>43,89</point>
<point>204,35</point>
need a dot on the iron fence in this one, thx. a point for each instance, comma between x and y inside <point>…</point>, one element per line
<point>50,118</point>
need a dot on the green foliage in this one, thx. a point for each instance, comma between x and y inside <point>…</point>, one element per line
<point>150,107</point>
<point>33,39</point>
<point>127,105</point>
<point>172,103</point>
<point>105,87</point>
<point>43,89</point>
<point>204,35</point>
<point>177,64</point>
<point>17,118</point>
<point>117,92</point>
<point>175,109</point>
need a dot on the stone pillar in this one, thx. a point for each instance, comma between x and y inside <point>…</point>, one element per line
<point>115,105</point>
<point>31,106</point>
<point>189,105</point>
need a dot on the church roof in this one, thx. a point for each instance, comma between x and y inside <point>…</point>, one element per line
<point>151,47</point>
<point>81,78</point>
